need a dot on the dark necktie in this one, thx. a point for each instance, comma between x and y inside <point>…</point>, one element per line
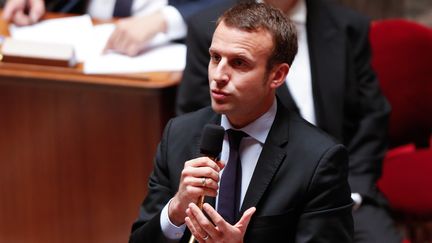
<point>230,185</point>
<point>122,8</point>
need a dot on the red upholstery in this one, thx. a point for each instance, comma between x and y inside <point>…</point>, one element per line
<point>407,181</point>
<point>402,59</point>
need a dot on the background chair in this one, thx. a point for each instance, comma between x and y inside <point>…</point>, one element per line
<point>402,59</point>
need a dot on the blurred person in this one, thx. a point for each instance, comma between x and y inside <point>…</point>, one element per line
<point>293,182</point>
<point>140,20</point>
<point>330,84</point>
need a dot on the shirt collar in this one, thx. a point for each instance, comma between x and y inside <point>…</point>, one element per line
<point>259,128</point>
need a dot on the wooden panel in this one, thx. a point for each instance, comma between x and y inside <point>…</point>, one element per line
<point>75,158</point>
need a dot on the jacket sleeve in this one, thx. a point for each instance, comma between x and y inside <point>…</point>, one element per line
<point>326,216</point>
<point>367,140</point>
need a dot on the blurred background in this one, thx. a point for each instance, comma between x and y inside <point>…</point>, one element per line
<point>417,10</point>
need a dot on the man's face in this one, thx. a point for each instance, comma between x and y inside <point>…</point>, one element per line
<point>240,85</point>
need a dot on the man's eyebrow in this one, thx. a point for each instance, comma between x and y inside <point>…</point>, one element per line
<point>211,49</point>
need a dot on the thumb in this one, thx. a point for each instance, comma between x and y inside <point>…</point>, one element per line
<point>37,9</point>
<point>243,223</point>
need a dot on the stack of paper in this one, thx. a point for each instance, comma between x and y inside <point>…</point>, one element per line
<point>89,41</point>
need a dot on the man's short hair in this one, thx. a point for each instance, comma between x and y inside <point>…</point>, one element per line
<point>252,16</point>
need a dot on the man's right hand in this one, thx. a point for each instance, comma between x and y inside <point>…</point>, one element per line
<point>200,177</point>
<point>23,12</point>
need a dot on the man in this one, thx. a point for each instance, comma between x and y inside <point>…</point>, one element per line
<point>141,19</point>
<point>293,176</point>
<point>331,84</point>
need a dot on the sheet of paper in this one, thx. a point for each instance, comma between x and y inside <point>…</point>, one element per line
<point>89,42</point>
<point>76,31</point>
<point>169,57</point>
<point>160,56</point>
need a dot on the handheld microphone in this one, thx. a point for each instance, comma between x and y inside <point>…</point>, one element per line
<point>211,146</point>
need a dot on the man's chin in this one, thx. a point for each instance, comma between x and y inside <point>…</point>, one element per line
<point>220,108</point>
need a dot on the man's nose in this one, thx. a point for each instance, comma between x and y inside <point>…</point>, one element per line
<point>221,74</point>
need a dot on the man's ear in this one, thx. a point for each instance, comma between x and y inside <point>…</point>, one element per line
<point>278,75</point>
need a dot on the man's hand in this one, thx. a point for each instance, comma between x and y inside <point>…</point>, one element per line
<point>199,177</point>
<point>204,230</point>
<point>132,34</point>
<point>23,12</point>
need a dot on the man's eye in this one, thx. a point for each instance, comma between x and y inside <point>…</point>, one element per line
<point>238,62</point>
<point>215,58</point>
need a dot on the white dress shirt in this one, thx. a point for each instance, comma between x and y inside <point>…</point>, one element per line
<point>299,78</point>
<point>176,26</point>
<point>249,152</point>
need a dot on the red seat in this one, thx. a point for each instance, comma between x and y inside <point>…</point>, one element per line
<point>402,59</point>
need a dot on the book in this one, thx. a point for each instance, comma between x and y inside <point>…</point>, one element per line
<point>39,53</point>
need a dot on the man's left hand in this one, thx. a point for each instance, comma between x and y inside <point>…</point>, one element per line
<point>221,231</point>
<point>132,35</point>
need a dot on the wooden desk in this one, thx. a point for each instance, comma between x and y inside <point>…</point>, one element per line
<point>76,151</point>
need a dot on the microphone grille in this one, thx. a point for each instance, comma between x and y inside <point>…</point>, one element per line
<point>211,140</point>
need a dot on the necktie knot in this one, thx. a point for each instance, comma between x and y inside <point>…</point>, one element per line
<point>235,137</point>
<point>122,8</point>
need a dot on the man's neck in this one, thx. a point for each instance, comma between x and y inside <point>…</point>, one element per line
<point>244,120</point>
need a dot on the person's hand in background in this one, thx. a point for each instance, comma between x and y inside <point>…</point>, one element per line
<point>23,12</point>
<point>132,35</point>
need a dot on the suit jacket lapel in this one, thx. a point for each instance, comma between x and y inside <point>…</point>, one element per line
<point>328,64</point>
<point>270,159</point>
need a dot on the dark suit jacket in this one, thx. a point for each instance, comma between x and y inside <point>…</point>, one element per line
<point>185,7</point>
<point>348,102</point>
<point>299,185</point>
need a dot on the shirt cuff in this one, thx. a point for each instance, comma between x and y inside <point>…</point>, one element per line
<point>176,26</point>
<point>357,198</point>
<point>170,230</point>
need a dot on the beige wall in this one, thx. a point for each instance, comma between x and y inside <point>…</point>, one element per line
<point>418,10</point>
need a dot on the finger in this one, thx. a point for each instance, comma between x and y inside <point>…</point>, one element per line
<point>203,162</point>
<point>191,227</point>
<point>20,18</point>
<point>9,10</point>
<point>194,191</point>
<point>204,222</point>
<point>111,43</point>
<point>203,182</point>
<point>243,223</point>
<point>132,49</point>
<point>122,40</point>
<point>198,232</point>
<point>37,9</point>
<point>200,172</point>
<point>216,218</point>
<point>220,164</point>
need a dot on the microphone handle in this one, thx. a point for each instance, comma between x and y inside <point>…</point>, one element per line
<point>200,206</point>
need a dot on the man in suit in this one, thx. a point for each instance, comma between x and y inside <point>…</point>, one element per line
<point>331,84</point>
<point>293,184</point>
<point>141,19</point>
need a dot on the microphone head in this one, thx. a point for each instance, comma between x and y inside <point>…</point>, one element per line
<point>211,140</point>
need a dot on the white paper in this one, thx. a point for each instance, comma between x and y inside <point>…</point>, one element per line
<point>89,42</point>
<point>75,31</point>
<point>169,57</point>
